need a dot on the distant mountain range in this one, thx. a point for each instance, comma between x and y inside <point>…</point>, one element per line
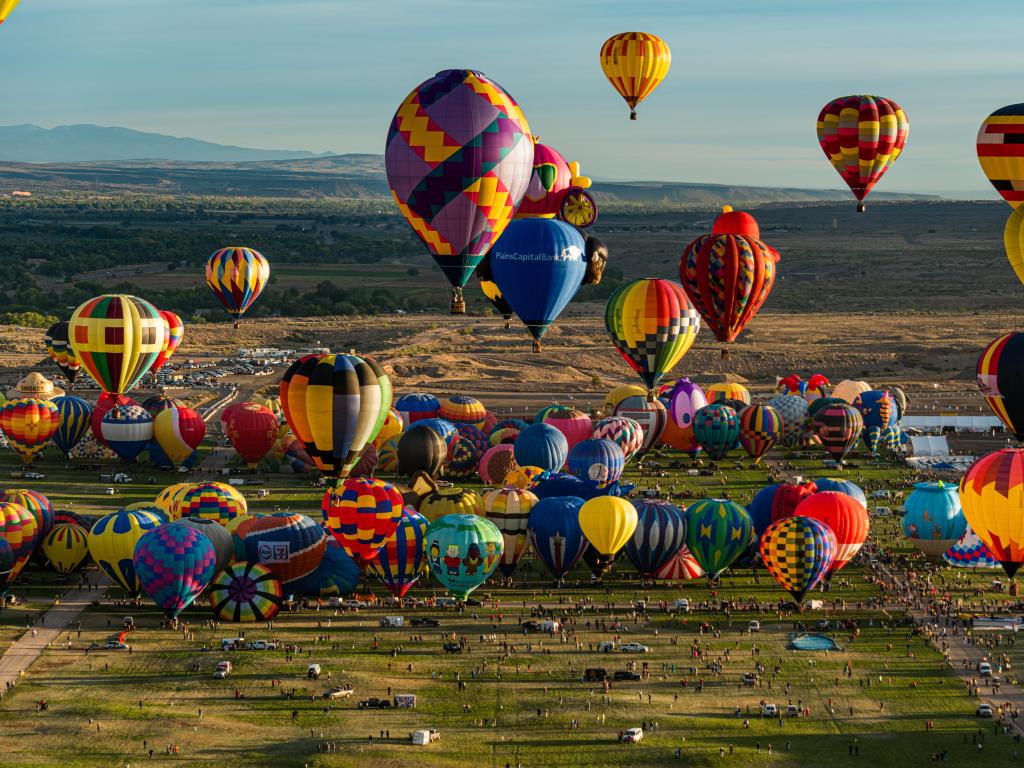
<point>28,143</point>
<point>89,158</point>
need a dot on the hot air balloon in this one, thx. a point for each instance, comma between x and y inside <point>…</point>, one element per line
<point>336,404</point>
<point>849,390</point>
<point>822,402</point>
<point>685,399</point>
<point>218,535</point>
<point>174,564</point>
<point>680,567</point>
<point>450,501</point>
<point>847,519</point>
<point>168,499</point>
<point>66,546</point>
<point>597,461</point>
<point>127,429</point>
<point>877,408</point>
<point>798,551</point>
<point>73,414</point>
<point>729,274</point>
<point>652,325</point>
<point>608,523</point>
<point>660,532</point>
<point>246,592</point>
<point>810,390</point>
<point>574,424</point>
<point>862,136</point>
<point>651,415</point>
<point>6,564</point>
<point>620,393</point>
<point>842,486</point>
<point>29,424</point>
<point>838,427</point>
<point>934,521</point>
<point>1001,380</point>
<point>623,431</point>
<point>210,501</point>
<point>718,531</point>
<point>290,545</point>
<point>252,430</point>
<point>60,351</point>
<point>179,431</point>
<point>777,501</point>
<point>18,527</point>
<point>36,503</point>
<point>417,406</point>
<point>509,509</point>
<point>555,533</point>
<point>463,458</point>
<point>116,338</point>
<point>6,6</point>
<point>362,513</point>
<point>727,392</point>
<point>392,426</point>
<point>1001,154</point>
<point>760,429</point>
<point>970,552</point>
<point>635,63</point>
<point>992,497</point>
<point>401,561</point>
<point>462,409</point>
<point>459,158</point>
<point>112,541</point>
<point>337,574</point>
<point>496,463</point>
<point>557,189</point>
<point>717,428</point>
<point>793,412</point>
<point>475,436</point>
<point>174,333</point>
<point>541,445</point>
<point>538,264</point>
<point>463,551</point>
<point>237,277</point>
<point>421,449</point>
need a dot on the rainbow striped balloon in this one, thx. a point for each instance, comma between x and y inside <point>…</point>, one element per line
<point>237,276</point>
<point>400,562</point>
<point>362,513</point>
<point>246,592</point>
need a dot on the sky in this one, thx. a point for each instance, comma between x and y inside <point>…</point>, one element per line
<point>739,105</point>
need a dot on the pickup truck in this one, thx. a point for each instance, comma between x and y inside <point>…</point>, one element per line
<point>425,622</point>
<point>374,703</point>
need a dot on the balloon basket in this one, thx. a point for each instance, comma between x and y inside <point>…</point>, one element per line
<point>725,353</point>
<point>632,114</point>
<point>861,208</point>
<point>537,347</point>
<point>236,324</point>
<point>458,305</point>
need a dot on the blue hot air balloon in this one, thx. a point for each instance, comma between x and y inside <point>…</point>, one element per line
<point>559,484</point>
<point>597,461</point>
<point>934,521</point>
<point>660,532</point>
<point>539,265</point>
<point>174,564</point>
<point>336,575</point>
<point>127,429</point>
<point>555,533</point>
<point>74,414</point>
<point>843,486</point>
<point>541,445</point>
<point>416,407</point>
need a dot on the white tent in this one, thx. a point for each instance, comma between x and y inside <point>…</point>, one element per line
<point>929,445</point>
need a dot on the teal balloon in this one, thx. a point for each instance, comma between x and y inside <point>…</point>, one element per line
<point>716,428</point>
<point>463,551</point>
<point>718,531</point>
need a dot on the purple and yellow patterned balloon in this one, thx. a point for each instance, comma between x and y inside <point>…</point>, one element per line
<point>459,158</point>
<point>174,563</point>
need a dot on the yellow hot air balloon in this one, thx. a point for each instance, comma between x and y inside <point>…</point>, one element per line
<point>392,427</point>
<point>635,63</point>
<point>1013,240</point>
<point>168,499</point>
<point>6,6</point>
<point>608,522</point>
<point>992,498</point>
<point>619,394</point>
<point>66,546</point>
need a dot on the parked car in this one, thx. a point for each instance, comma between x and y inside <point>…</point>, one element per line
<point>985,669</point>
<point>683,605</point>
<point>754,626</point>
<point>595,675</point>
<point>222,670</point>
<point>338,692</point>
<point>452,648</point>
<point>792,710</point>
<point>769,710</point>
<point>985,710</point>
<point>625,674</point>
<point>374,703</point>
<point>634,648</point>
<point>116,645</point>
<point>423,621</point>
<point>749,679</point>
<point>313,672</point>
<point>633,735</point>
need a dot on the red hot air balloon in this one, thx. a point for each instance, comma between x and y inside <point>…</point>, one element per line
<point>729,273</point>
<point>252,430</point>
<point>362,513</point>
<point>845,516</point>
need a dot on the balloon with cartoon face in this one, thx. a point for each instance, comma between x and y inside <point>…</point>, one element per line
<point>463,551</point>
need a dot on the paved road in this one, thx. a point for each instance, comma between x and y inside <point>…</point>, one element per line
<point>26,649</point>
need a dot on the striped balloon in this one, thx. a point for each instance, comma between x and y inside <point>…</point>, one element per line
<point>116,338</point>
<point>652,325</point>
<point>718,531</point>
<point>760,429</point>
<point>838,427</point>
<point>624,432</point>
<point>496,463</point>
<point>19,529</point>
<point>57,347</point>
<point>169,497</point>
<point>1001,152</point>
<point>246,592</point>
<point>362,513</point>
<point>635,63</point>
<point>66,547</point>
<point>400,562</point>
<point>726,391</point>
<point>509,509</point>
<point>219,502</point>
<point>463,409</point>
<point>597,461</point>
<point>73,414</point>
<point>34,502</point>
<point>290,545</point>
<point>127,429</point>
<point>28,424</point>
<point>237,276</point>
<point>798,551</point>
<point>680,567</point>
<point>112,541</point>
<point>174,332</point>
<point>651,415</point>
<point>174,564</point>
<point>717,428</point>
<point>178,432</point>
<point>660,532</point>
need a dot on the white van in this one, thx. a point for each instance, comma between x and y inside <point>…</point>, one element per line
<point>392,621</point>
<point>683,605</point>
<point>425,736</point>
<point>985,669</point>
<point>313,672</point>
<point>222,670</point>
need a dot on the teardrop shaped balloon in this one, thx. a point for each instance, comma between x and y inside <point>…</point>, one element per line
<point>28,424</point>
<point>459,157</point>
<point>509,509</point>
<point>116,338</point>
<point>718,531</point>
<point>463,551</point>
<point>635,63</point>
<point>174,564</point>
<point>1001,152</point>
<point>362,513</point>
<point>652,325</point>
<point>717,428</point>
<point>555,533</point>
<point>862,136</point>
<point>60,351</point>
<point>65,547</point>
<point>608,522</point>
<point>992,498</point>
<point>797,552</point>
<point>760,429</point>
<point>402,560</point>
<point>1001,380</point>
<point>174,334</point>
<point>237,277</point>
<point>73,414</point>
<point>847,519</point>
<point>660,532</point>
<point>179,431</point>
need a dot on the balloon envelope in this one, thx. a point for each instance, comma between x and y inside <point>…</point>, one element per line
<point>718,531</point>
<point>463,551</point>
<point>237,277</point>
<point>660,532</point>
<point>797,551</point>
<point>174,564</point>
<point>116,338</point>
<point>555,533</point>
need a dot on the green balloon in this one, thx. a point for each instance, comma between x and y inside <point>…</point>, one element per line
<point>718,531</point>
<point>463,551</point>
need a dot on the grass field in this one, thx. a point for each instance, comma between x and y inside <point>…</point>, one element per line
<point>527,697</point>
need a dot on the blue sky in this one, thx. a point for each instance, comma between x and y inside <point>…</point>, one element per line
<point>747,81</point>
